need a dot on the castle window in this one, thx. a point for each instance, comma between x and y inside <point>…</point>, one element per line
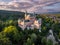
<point>27,20</point>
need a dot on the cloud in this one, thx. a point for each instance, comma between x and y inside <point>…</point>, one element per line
<point>30,5</point>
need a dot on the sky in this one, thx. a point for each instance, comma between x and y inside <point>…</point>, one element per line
<point>39,6</point>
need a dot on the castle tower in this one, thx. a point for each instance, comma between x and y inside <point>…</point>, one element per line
<point>25,14</point>
<point>34,14</point>
<point>27,17</point>
<point>40,23</point>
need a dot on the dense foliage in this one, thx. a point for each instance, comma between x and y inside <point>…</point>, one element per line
<point>11,34</point>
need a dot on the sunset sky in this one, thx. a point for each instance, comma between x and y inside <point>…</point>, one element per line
<point>39,6</point>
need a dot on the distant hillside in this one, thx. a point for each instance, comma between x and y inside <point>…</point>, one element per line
<point>48,12</point>
<point>53,13</point>
<point>4,14</point>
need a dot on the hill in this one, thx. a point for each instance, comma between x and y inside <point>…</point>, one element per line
<point>4,14</point>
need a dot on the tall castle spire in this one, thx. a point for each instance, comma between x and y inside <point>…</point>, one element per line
<point>34,14</point>
<point>25,14</point>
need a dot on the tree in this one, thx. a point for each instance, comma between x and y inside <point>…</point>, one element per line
<point>12,33</point>
<point>29,42</point>
<point>49,42</point>
<point>44,40</point>
<point>59,35</point>
<point>56,28</point>
<point>33,37</point>
<point>4,40</point>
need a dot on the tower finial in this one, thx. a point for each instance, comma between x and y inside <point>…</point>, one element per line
<point>26,12</point>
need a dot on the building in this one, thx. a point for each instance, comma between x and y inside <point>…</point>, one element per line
<point>30,22</point>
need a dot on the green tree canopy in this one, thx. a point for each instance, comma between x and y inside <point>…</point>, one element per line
<point>12,32</point>
<point>4,40</point>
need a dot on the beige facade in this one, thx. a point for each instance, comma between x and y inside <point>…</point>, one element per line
<point>30,22</point>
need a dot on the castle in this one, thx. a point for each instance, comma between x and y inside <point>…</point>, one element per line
<point>30,22</point>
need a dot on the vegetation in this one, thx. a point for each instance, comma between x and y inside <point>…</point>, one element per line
<point>11,34</point>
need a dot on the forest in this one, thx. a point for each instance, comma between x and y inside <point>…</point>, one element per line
<point>12,34</point>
